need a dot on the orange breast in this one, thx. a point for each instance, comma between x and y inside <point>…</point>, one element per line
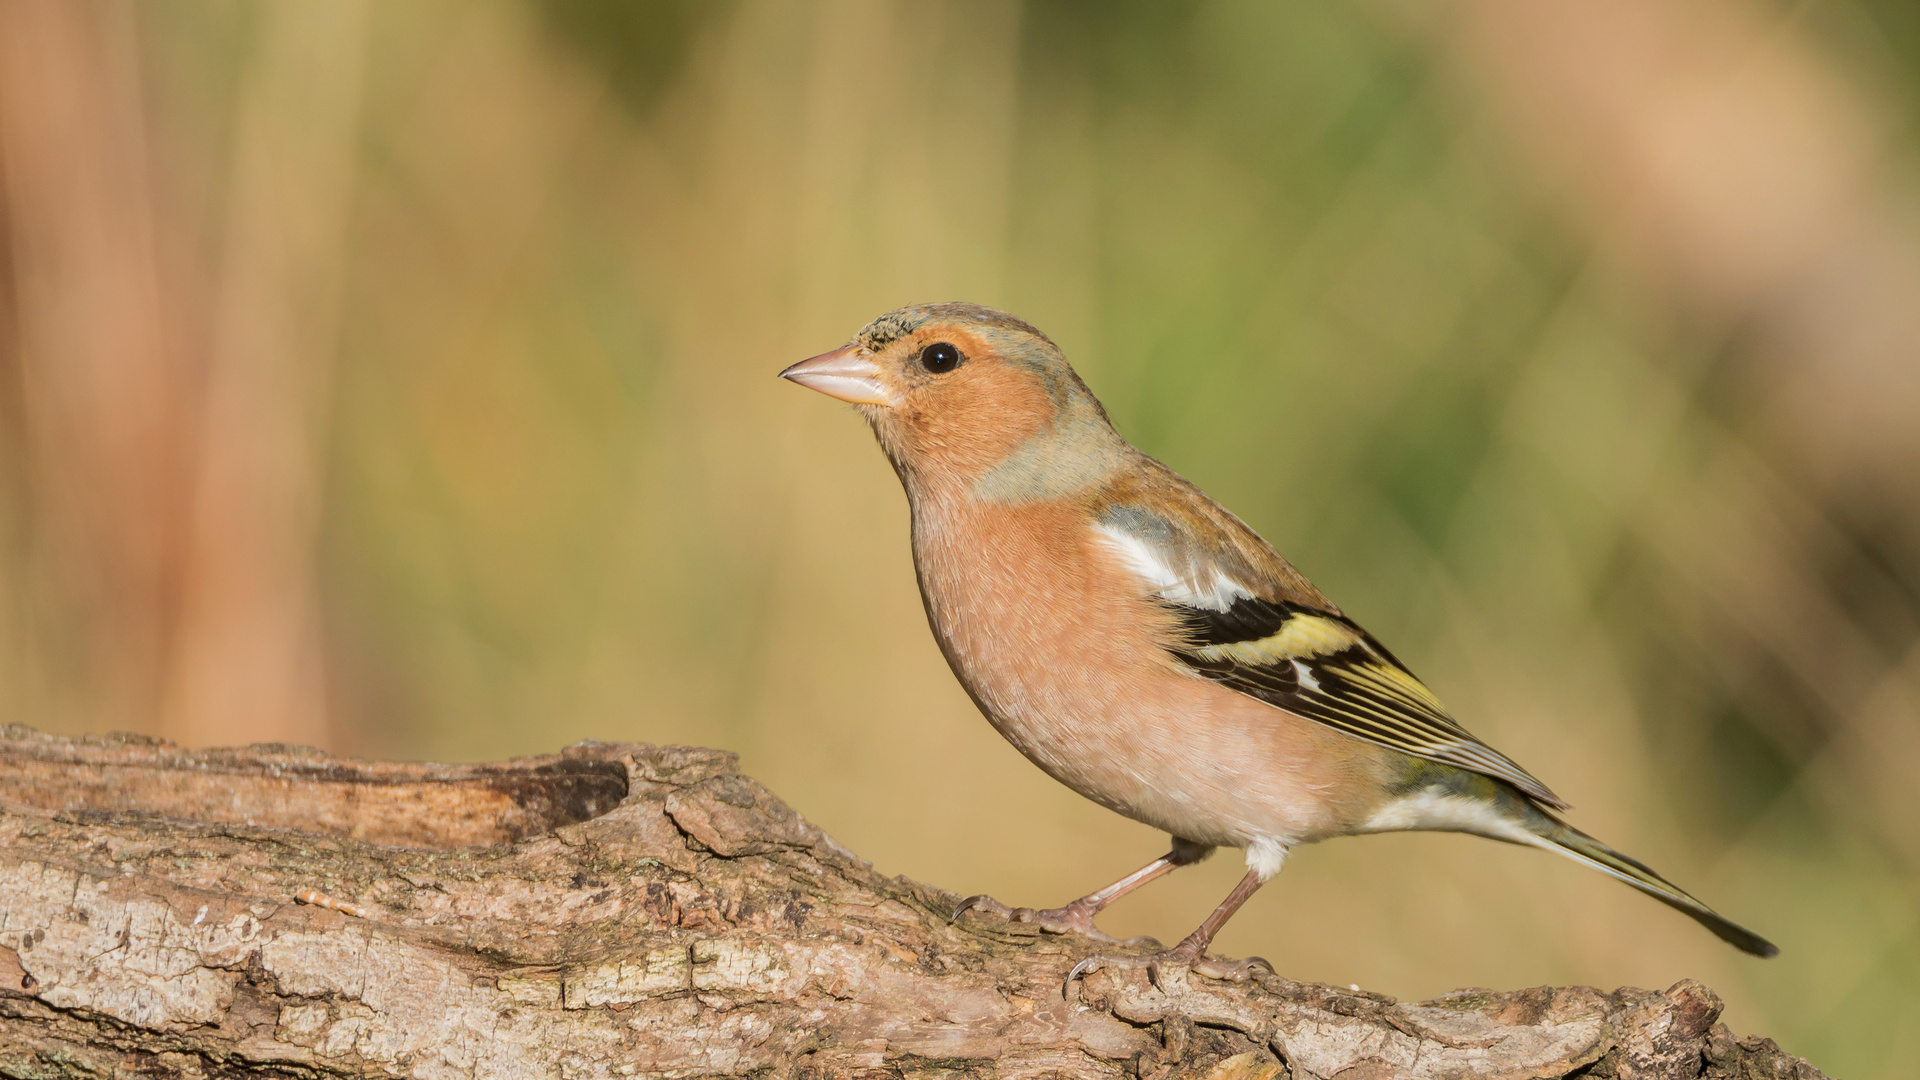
<point>1057,642</point>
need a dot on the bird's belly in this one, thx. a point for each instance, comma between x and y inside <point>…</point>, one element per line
<point>1192,758</point>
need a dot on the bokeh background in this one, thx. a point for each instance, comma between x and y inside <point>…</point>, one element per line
<point>398,378</point>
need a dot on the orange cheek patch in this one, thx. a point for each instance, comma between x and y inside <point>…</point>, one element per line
<point>972,418</point>
<point>984,414</point>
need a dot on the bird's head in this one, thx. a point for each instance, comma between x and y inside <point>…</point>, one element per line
<point>965,394</point>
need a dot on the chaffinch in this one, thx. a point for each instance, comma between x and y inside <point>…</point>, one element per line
<point>1146,648</point>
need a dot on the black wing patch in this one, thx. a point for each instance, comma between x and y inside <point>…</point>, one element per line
<point>1321,666</point>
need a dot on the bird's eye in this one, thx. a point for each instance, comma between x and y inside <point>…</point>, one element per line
<point>940,358</point>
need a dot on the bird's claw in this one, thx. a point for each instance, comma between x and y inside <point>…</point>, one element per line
<point>1081,970</point>
<point>1158,964</point>
<point>1075,918</point>
<point>981,902</point>
<point>1231,970</point>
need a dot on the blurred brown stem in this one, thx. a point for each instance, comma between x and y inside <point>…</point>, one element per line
<point>174,502</point>
<point>104,391</point>
<point>248,655</point>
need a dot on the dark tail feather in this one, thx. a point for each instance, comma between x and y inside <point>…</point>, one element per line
<point>1578,846</point>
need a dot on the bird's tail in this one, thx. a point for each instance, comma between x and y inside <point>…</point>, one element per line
<point>1561,838</point>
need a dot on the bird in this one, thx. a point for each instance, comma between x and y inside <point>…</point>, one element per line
<point>1146,648</point>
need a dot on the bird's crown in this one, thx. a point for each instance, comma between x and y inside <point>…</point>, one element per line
<point>900,322</point>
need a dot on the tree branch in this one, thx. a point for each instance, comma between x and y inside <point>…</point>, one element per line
<point>619,910</point>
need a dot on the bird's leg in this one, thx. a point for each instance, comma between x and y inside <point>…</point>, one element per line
<point>1192,950</point>
<point>1077,917</point>
<point>1191,953</point>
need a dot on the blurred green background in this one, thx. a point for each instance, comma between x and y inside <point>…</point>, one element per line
<point>399,379</point>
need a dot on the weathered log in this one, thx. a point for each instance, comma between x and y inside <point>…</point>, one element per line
<point>620,910</point>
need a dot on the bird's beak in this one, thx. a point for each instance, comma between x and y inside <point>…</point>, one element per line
<point>844,374</point>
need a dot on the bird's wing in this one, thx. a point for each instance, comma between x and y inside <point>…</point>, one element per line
<point>1248,620</point>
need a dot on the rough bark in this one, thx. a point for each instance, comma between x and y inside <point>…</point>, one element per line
<point>619,910</point>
